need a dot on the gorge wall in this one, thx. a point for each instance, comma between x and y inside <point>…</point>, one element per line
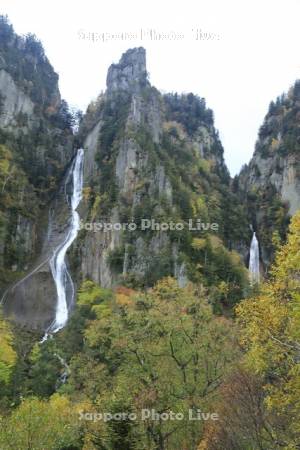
<point>159,157</point>
<point>36,147</point>
<point>147,156</point>
<point>270,184</point>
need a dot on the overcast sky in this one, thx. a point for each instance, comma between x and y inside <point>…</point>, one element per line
<point>251,57</point>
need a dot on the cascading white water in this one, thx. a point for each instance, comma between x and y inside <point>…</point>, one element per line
<point>57,262</point>
<point>254,260</point>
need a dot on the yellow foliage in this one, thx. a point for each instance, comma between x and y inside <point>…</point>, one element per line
<point>270,332</point>
<point>235,257</point>
<point>199,207</point>
<point>223,288</point>
<point>179,128</point>
<point>44,424</point>
<point>205,165</point>
<point>7,353</point>
<point>215,242</point>
<point>199,243</point>
<point>86,193</point>
<point>35,352</point>
<point>95,208</point>
<point>101,311</point>
<point>275,144</point>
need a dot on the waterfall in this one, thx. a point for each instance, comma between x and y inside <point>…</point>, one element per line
<point>254,260</point>
<point>58,264</point>
<point>63,377</point>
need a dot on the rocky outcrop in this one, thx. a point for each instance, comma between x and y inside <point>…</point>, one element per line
<point>131,172</point>
<point>14,101</point>
<point>32,299</point>
<point>129,74</point>
<point>290,187</point>
<point>36,146</point>
<point>280,172</point>
<point>271,181</point>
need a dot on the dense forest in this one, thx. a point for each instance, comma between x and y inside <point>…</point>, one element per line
<point>125,351</point>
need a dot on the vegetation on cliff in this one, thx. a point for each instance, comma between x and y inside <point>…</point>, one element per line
<point>188,159</point>
<point>35,147</point>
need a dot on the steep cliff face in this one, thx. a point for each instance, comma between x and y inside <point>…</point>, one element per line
<point>151,162</point>
<point>36,146</point>
<point>153,157</point>
<point>271,182</point>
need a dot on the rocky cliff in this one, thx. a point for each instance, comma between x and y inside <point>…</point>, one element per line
<point>36,146</point>
<point>154,157</point>
<point>271,181</point>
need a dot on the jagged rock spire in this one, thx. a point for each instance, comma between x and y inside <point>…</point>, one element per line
<point>130,73</point>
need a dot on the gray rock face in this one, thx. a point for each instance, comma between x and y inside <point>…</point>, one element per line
<point>14,101</point>
<point>90,145</point>
<point>129,72</point>
<point>281,172</point>
<point>155,116</point>
<point>180,274</point>
<point>95,251</point>
<point>261,175</point>
<point>25,234</point>
<point>128,75</point>
<point>30,303</point>
<point>126,165</point>
<point>290,189</point>
<point>161,183</point>
<point>31,300</point>
<point>146,111</point>
<point>131,161</point>
<point>276,160</point>
<point>139,175</point>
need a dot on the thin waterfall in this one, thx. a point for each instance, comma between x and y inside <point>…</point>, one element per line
<point>254,260</point>
<point>58,264</point>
